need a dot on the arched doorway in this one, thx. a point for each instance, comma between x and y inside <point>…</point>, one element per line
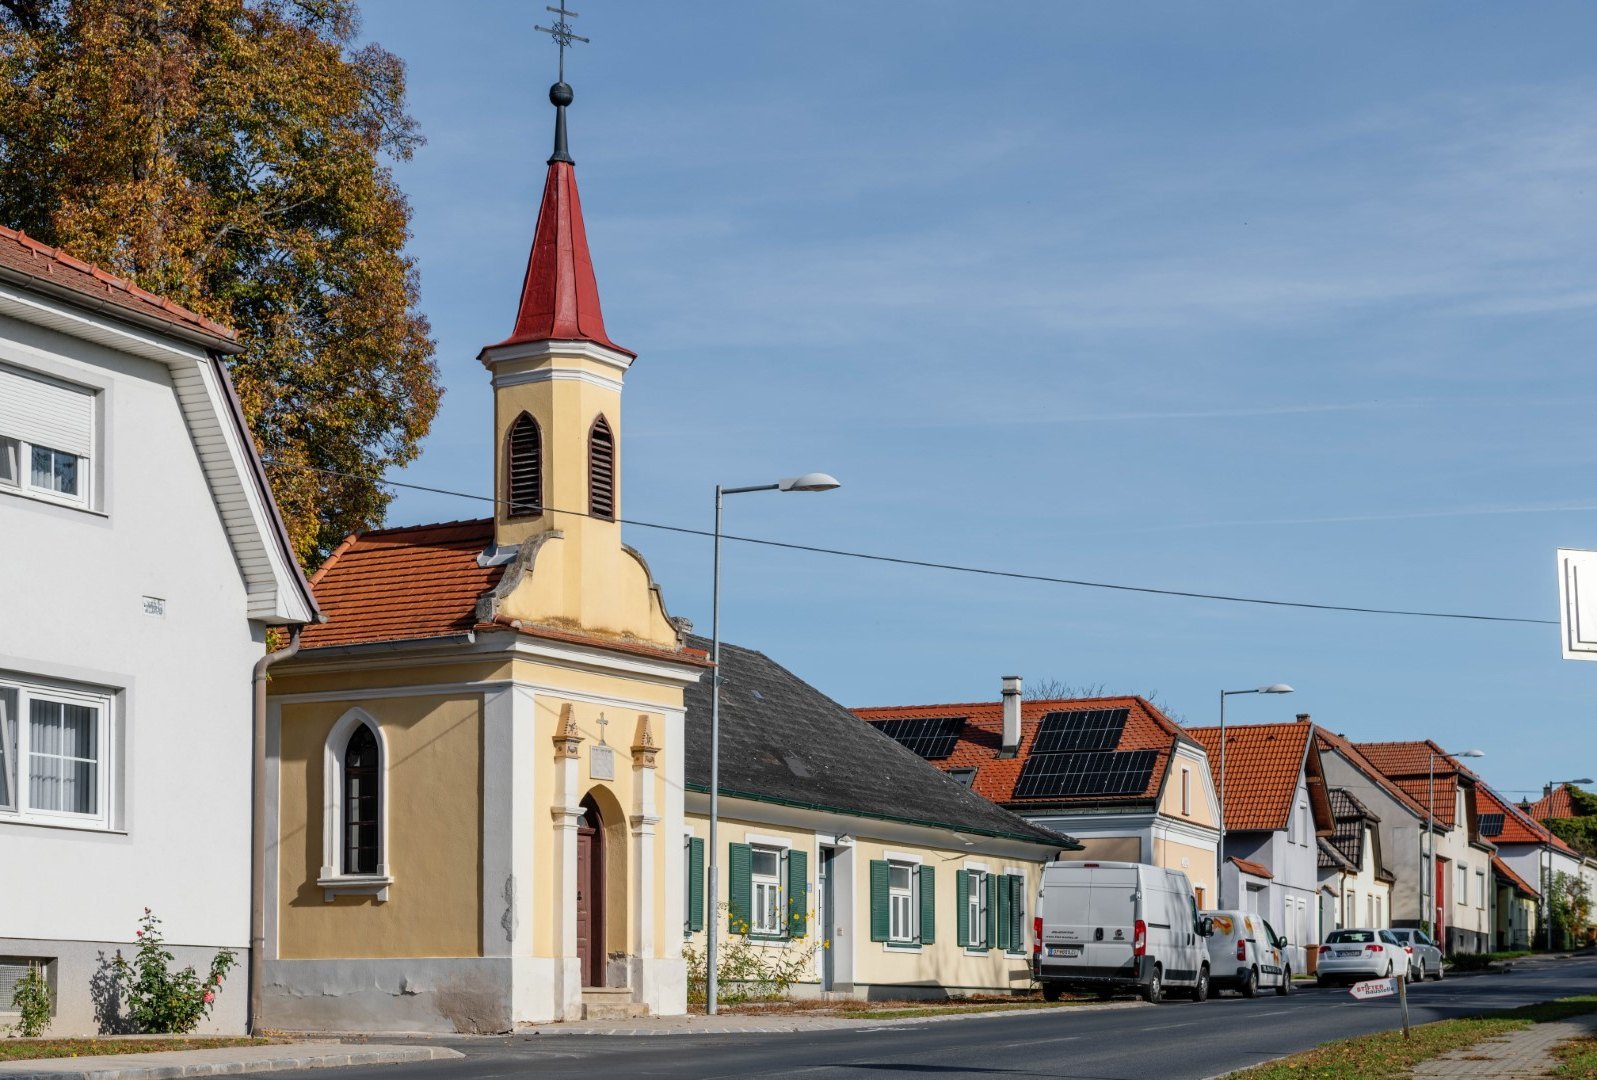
<point>590,894</point>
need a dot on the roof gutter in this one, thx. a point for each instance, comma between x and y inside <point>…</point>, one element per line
<point>192,335</point>
<point>258,828</point>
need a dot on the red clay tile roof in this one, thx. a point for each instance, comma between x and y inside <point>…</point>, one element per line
<point>1329,740</point>
<point>1556,805</point>
<point>1263,763</point>
<point>23,255</point>
<point>1517,827</point>
<point>393,584</point>
<point>983,734</point>
<point>1518,882</point>
<point>1408,766</point>
<point>1256,869</point>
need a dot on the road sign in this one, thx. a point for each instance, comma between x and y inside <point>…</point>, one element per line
<point>1374,988</point>
<point>1577,609</point>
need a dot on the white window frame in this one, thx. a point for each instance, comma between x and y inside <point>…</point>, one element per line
<point>1480,889</point>
<point>764,888</point>
<point>909,932</point>
<point>25,691</point>
<point>1462,899</point>
<point>22,483</point>
<point>333,881</point>
<point>975,901</point>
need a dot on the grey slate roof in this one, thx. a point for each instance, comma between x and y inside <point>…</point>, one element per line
<point>784,741</point>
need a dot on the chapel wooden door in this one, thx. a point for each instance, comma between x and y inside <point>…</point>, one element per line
<point>585,861</point>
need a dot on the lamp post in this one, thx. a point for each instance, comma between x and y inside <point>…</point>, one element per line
<point>1219,855</point>
<point>808,482</point>
<point>1547,846</point>
<point>1428,856</point>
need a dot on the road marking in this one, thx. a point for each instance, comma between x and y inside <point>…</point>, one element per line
<point>1274,1012</point>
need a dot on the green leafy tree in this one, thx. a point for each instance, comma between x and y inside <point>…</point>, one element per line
<point>234,155</point>
<point>1579,831</point>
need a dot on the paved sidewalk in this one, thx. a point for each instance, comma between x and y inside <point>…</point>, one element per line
<point>747,1023</point>
<point>275,1057</point>
<point>1519,1054</point>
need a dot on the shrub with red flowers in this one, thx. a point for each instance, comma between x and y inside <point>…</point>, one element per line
<point>160,1001</point>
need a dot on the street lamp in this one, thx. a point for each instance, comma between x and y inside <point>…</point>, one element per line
<point>814,481</point>
<point>1428,857</point>
<point>1547,881</point>
<point>1219,855</point>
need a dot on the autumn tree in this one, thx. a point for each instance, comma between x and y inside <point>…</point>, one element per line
<point>234,155</point>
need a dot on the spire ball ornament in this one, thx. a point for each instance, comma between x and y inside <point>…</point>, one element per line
<point>560,95</point>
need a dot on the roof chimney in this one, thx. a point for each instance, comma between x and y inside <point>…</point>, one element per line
<point>1303,718</point>
<point>1011,716</point>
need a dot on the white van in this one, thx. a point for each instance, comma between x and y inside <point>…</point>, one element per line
<point>1108,926</point>
<point>1246,954</point>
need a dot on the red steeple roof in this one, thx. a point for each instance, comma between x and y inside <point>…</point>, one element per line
<point>559,296</point>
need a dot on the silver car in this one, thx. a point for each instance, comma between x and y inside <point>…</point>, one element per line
<point>1426,957</point>
<point>1350,956</point>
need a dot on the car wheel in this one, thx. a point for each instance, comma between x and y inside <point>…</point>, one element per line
<point>1250,983</point>
<point>1388,974</point>
<point>1200,991</point>
<point>1438,969</point>
<point>1153,993</point>
<point>1285,985</point>
<point>1052,991</point>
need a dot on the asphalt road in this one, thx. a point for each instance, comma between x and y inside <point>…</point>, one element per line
<point>1146,1042</point>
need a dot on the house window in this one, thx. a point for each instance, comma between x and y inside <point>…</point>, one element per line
<point>767,879</point>
<point>1463,884</point>
<point>601,470</point>
<point>964,777</point>
<point>46,437</point>
<point>54,751</point>
<point>901,903</point>
<point>362,801</point>
<point>693,884</point>
<point>1200,896</point>
<point>1480,888</point>
<point>975,901</point>
<point>1186,792</point>
<point>524,467</point>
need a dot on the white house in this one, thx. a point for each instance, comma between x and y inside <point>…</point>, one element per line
<point>141,562</point>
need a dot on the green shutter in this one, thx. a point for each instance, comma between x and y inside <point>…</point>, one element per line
<point>962,906</point>
<point>695,884</point>
<point>1002,942</point>
<point>798,893</point>
<point>927,876</point>
<point>1017,913</point>
<point>740,888</point>
<point>992,911</point>
<point>880,929</point>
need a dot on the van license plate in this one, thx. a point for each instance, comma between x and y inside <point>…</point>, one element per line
<point>1064,950</point>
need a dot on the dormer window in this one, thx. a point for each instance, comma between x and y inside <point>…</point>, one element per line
<point>601,470</point>
<point>524,468</point>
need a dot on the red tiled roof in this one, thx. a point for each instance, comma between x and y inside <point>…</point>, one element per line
<point>1518,882</point>
<point>415,582</point>
<point>1556,805</point>
<point>982,737</point>
<point>21,254</point>
<point>1517,827</point>
<point>1263,763</point>
<point>1256,869</point>
<point>1329,740</point>
<point>1408,765</point>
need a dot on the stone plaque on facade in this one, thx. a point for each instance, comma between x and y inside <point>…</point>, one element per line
<point>601,763</point>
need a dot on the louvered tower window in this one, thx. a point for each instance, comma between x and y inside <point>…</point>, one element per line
<point>524,468</point>
<point>601,470</point>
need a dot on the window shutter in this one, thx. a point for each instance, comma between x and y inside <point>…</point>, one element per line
<point>992,910</point>
<point>696,884</point>
<point>926,876</point>
<point>1002,943</point>
<point>524,467</point>
<point>798,893</point>
<point>1017,913</point>
<point>740,888</point>
<point>880,927</point>
<point>962,906</point>
<point>601,470</point>
<point>46,412</point>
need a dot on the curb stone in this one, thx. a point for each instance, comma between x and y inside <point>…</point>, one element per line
<point>167,1064</point>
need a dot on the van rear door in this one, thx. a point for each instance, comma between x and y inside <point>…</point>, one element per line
<point>1113,918</point>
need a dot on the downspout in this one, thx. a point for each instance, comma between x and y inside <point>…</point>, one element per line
<point>258,828</point>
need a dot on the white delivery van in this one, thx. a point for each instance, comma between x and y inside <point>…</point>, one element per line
<point>1113,926</point>
<point>1245,953</point>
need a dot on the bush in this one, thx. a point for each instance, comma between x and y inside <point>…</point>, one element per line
<point>159,1001</point>
<point>1481,961</point>
<point>749,969</point>
<point>32,1000</point>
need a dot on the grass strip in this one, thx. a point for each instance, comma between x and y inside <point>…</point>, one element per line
<point>27,1049</point>
<point>1387,1055</point>
<point>949,1010</point>
<point>1579,1057</point>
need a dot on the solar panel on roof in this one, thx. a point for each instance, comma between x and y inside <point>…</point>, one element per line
<point>1491,824</point>
<point>1080,729</point>
<point>1085,773</point>
<point>933,738</point>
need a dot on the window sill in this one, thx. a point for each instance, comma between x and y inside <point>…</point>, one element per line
<point>51,500</point>
<point>84,824</point>
<point>357,885</point>
<point>901,946</point>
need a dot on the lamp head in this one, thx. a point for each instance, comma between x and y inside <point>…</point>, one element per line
<point>1471,753</point>
<point>1276,688</point>
<point>810,481</point>
<point>1582,780</point>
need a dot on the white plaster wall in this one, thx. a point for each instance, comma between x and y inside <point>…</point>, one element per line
<point>1400,834</point>
<point>73,583</point>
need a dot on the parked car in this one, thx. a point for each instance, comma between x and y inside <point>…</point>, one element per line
<point>1427,958</point>
<point>1363,953</point>
<point>1112,926</point>
<point>1246,954</point>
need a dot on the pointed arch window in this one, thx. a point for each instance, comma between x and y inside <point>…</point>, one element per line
<point>355,808</point>
<point>362,801</point>
<point>601,470</point>
<point>524,467</point>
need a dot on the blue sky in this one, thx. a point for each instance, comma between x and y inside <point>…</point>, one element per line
<point>1275,300</point>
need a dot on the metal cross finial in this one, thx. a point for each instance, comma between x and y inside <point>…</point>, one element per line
<point>562,33</point>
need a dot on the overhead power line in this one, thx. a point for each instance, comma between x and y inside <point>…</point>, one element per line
<point>1015,575</point>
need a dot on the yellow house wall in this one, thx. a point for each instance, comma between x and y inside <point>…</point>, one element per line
<point>1196,862</point>
<point>1109,848</point>
<point>1200,808</point>
<point>432,790</point>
